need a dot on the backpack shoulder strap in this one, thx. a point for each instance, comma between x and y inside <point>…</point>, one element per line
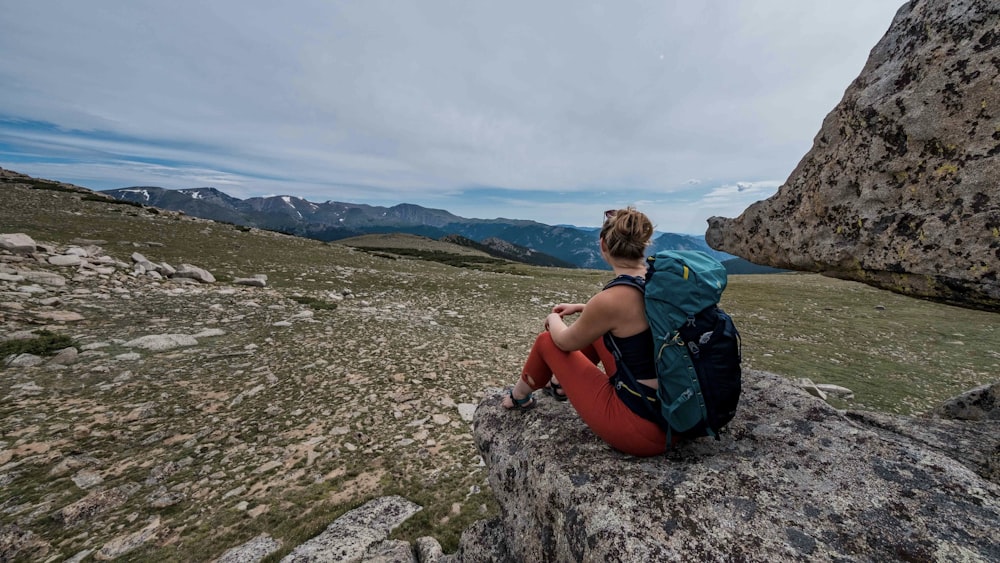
<point>632,281</point>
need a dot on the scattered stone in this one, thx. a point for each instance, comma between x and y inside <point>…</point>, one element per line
<point>18,544</point>
<point>65,260</point>
<point>811,388</point>
<point>166,270</point>
<point>65,357</point>
<point>163,498</point>
<point>46,278</point>
<point>86,479</point>
<point>128,543</point>
<point>258,510</point>
<point>467,411</point>
<point>94,504</point>
<point>835,390</point>
<point>80,556</point>
<point>258,280</point>
<point>161,342</point>
<point>23,360</point>
<point>252,551</point>
<point>210,332</point>
<point>194,272</point>
<point>60,316</point>
<point>234,493</point>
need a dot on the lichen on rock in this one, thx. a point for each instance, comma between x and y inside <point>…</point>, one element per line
<point>792,479</point>
<point>900,187</point>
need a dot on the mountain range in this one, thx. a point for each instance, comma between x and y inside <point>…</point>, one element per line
<point>331,220</point>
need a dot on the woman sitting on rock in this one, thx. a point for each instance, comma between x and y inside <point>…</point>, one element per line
<point>615,316</point>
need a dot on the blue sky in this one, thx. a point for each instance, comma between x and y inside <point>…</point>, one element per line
<point>551,111</point>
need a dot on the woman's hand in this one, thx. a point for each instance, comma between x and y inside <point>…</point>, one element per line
<point>554,320</point>
<point>566,309</point>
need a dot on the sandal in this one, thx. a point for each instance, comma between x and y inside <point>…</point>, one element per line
<point>524,404</point>
<point>556,391</point>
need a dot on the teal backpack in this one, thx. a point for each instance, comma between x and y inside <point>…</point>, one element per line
<point>697,346</point>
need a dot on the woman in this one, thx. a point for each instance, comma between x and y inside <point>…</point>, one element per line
<point>616,316</point>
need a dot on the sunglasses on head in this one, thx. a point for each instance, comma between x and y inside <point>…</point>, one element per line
<point>610,213</point>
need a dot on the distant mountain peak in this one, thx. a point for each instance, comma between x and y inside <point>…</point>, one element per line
<point>524,240</point>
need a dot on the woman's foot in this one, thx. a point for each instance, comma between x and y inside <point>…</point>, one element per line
<point>555,390</point>
<point>518,397</point>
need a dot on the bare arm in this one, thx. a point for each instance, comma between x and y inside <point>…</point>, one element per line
<point>566,309</point>
<point>597,317</point>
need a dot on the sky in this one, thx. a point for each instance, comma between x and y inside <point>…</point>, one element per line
<point>551,111</point>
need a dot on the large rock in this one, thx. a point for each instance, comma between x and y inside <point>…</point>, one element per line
<point>900,189</point>
<point>792,479</point>
<point>359,535</point>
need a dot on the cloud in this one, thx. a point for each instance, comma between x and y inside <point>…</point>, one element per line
<point>738,194</point>
<point>383,100</point>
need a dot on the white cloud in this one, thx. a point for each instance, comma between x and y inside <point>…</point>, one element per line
<point>739,194</point>
<point>383,99</point>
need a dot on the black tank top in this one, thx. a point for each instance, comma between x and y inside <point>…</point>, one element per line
<point>637,353</point>
<point>637,350</point>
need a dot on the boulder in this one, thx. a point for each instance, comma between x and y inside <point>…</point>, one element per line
<point>981,403</point>
<point>900,187</point>
<point>18,243</point>
<point>195,273</point>
<point>791,479</point>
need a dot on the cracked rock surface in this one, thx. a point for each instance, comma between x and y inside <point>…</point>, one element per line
<point>900,187</point>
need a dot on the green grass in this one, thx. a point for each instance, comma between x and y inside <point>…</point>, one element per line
<point>103,199</point>
<point>314,302</point>
<point>451,259</point>
<point>899,354</point>
<point>46,343</point>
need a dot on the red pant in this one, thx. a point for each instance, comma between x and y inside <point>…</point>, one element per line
<point>592,395</point>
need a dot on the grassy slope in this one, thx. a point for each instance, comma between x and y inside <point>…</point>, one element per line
<point>903,359</point>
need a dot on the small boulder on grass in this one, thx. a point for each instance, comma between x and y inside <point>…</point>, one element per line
<point>18,243</point>
<point>195,273</point>
<point>257,280</point>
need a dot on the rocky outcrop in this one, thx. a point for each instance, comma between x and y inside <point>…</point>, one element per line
<point>900,188</point>
<point>359,534</point>
<point>793,479</point>
<point>981,403</point>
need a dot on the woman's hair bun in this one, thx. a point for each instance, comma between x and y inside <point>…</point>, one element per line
<point>627,232</point>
